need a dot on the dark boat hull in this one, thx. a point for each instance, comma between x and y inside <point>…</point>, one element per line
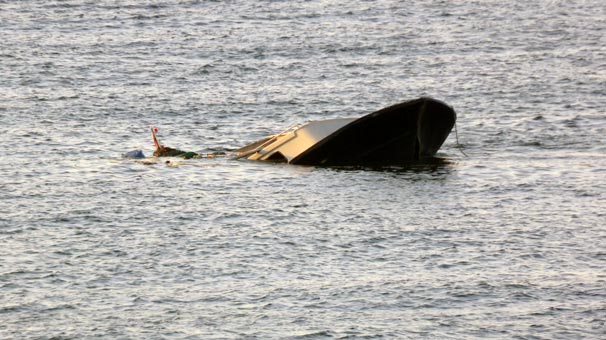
<point>398,134</point>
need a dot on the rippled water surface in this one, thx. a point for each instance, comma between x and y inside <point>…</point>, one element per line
<point>504,239</point>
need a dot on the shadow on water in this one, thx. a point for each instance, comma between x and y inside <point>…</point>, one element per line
<point>432,165</point>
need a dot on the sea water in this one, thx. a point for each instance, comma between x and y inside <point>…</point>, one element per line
<point>504,239</point>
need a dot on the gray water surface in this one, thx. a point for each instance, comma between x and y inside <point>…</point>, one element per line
<point>505,241</point>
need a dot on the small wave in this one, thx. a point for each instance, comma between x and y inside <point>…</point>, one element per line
<point>313,335</point>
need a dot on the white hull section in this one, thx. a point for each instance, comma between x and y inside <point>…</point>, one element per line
<point>292,142</point>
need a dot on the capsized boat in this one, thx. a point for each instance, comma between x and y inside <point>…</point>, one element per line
<point>402,133</point>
